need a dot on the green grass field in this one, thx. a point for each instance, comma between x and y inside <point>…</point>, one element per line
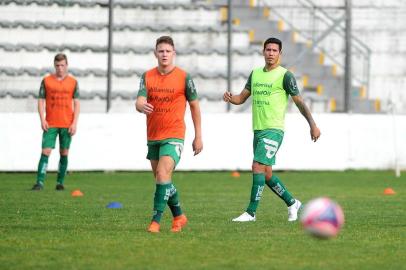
<point>53,230</point>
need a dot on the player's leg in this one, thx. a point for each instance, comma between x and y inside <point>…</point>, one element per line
<point>162,173</point>
<point>154,226</point>
<point>65,140</point>
<point>154,165</point>
<point>258,180</point>
<point>173,149</point>
<point>153,156</point>
<point>258,183</point>
<point>276,185</point>
<point>162,187</point>
<point>162,167</point>
<point>48,143</point>
<point>62,169</point>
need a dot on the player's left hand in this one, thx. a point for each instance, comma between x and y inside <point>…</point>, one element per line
<point>315,133</point>
<point>197,146</point>
<point>72,130</point>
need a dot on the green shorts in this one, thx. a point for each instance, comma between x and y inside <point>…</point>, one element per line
<point>168,147</point>
<point>266,143</point>
<point>49,138</point>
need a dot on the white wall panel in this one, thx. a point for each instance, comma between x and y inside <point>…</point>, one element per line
<point>118,142</point>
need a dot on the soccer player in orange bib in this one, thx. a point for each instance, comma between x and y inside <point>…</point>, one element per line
<point>162,96</point>
<point>58,107</point>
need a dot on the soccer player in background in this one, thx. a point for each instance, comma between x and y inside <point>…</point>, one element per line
<point>270,87</point>
<point>58,108</point>
<point>162,96</point>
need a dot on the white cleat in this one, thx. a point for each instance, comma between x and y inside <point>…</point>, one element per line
<point>293,209</point>
<point>244,218</point>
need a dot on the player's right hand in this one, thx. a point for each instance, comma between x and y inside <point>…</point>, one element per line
<point>147,108</point>
<point>227,96</point>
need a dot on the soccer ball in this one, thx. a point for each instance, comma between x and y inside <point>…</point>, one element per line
<point>322,218</point>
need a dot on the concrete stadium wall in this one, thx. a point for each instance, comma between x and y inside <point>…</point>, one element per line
<point>118,142</point>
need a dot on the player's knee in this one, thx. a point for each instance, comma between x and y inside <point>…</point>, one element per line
<point>46,151</point>
<point>268,176</point>
<point>162,174</point>
<point>64,152</point>
<point>258,168</point>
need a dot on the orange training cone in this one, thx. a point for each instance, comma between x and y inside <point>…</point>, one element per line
<point>235,174</point>
<point>77,193</point>
<point>389,191</point>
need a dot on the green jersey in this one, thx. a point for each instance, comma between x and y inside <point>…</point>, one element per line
<point>270,91</point>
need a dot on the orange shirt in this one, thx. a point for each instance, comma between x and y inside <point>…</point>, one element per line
<point>59,95</point>
<point>168,94</point>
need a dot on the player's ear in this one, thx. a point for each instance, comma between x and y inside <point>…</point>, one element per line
<point>155,53</point>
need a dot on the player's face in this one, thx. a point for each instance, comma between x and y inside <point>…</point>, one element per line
<point>165,54</point>
<point>61,68</point>
<point>271,54</point>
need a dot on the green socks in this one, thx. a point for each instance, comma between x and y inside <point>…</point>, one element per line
<point>42,169</point>
<point>166,193</point>
<point>258,183</point>
<point>161,197</point>
<point>173,202</point>
<point>279,189</point>
<point>62,168</point>
<point>43,165</point>
<point>275,184</point>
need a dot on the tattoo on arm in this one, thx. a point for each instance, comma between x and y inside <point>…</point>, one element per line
<point>304,110</point>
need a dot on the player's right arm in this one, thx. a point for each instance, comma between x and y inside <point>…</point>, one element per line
<point>242,97</point>
<point>141,104</point>
<point>41,106</point>
<point>236,99</point>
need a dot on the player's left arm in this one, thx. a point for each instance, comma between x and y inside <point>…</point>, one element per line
<point>290,85</point>
<point>76,111</point>
<point>197,123</point>
<point>191,96</point>
<point>304,110</point>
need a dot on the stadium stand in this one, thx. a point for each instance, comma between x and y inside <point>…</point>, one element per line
<point>33,31</point>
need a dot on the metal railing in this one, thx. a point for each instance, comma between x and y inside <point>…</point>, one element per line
<point>322,25</point>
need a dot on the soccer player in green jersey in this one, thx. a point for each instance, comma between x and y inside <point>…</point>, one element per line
<point>270,87</point>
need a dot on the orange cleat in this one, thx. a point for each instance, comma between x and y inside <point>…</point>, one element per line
<point>153,227</point>
<point>178,223</point>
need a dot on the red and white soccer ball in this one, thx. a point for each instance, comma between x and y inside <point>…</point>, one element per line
<point>322,218</point>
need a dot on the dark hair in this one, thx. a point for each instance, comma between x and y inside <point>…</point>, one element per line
<point>60,57</point>
<point>165,39</point>
<point>274,41</point>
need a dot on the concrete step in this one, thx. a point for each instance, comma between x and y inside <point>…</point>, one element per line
<point>124,34</point>
<point>191,15</point>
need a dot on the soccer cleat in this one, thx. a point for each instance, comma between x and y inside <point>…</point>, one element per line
<point>37,187</point>
<point>293,209</point>
<point>60,187</point>
<point>178,223</point>
<point>154,227</point>
<point>244,218</point>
